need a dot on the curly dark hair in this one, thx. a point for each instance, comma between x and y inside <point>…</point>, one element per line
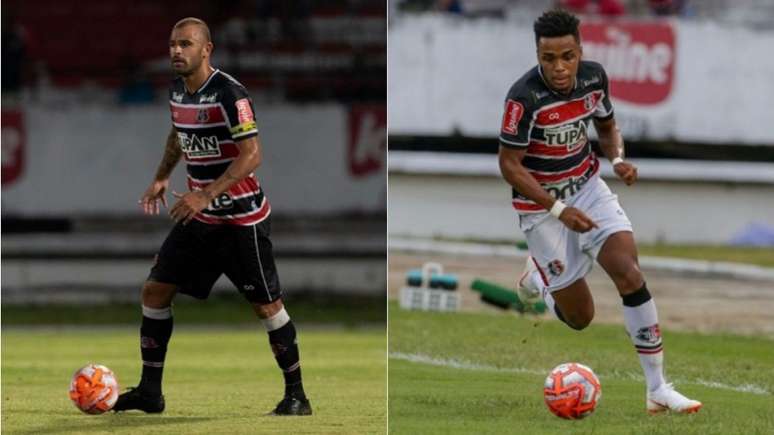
<point>556,23</point>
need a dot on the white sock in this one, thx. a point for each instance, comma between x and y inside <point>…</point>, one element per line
<point>642,325</point>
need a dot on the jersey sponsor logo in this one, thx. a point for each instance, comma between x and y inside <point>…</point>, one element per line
<point>650,334</point>
<point>591,81</point>
<point>223,201</point>
<point>208,98</point>
<point>194,146</point>
<point>639,58</point>
<point>541,94</point>
<point>570,135</point>
<point>513,113</point>
<point>244,111</point>
<point>569,187</point>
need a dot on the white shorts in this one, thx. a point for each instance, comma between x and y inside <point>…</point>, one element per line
<point>564,256</point>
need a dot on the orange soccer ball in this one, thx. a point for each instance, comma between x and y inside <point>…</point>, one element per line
<point>94,389</point>
<point>572,391</point>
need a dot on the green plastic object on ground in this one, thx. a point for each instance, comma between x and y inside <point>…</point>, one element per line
<point>503,297</point>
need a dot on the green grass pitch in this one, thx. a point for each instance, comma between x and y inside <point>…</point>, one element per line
<point>469,373</point>
<point>217,381</point>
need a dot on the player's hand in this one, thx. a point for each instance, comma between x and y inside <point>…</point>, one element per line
<point>188,205</point>
<point>576,220</point>
<point>626,172</point>
<point>153,194</point>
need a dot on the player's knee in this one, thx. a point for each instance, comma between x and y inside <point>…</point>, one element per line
<point>157,294</point>
<point>630,280</point>
<point>266,311</point>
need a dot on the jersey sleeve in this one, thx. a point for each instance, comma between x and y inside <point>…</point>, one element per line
<point>517,122</point>
<point>240,113</point>
<point>604,109</point>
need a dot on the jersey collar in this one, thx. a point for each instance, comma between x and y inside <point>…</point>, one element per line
<point>206,82</point>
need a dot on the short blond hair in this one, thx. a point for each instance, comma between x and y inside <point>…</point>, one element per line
<point>192,21</point>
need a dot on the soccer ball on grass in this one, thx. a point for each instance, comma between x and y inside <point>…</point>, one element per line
<point>572,391</point>
<point>94,389</point>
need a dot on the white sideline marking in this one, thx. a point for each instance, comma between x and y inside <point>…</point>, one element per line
<point>463,365</point>
<point>746,388</point>
<point>466,365</point>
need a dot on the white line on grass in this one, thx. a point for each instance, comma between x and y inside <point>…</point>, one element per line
<point>466,365</point>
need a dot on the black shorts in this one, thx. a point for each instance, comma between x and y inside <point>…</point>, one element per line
<point>194,256</point>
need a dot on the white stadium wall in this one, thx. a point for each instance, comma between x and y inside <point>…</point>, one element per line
<point>97,160</point>
<point>462,196</point>
<point>688,81</point>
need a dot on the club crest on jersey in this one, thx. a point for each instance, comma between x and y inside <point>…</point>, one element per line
<point>650,334</point>
<point>570,135</point>
<point>202,116</point>
<point>588,102</point>
<point>556,267</point>
<point>177,96</point>
<point>195,146</point>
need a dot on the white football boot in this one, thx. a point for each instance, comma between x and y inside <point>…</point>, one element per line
<point>665,398</point>
<point>526,288</point>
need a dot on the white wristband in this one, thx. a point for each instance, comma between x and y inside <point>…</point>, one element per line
<point>556,209</point>
<point>616,161</point>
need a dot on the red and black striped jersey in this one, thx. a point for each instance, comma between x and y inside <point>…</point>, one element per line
<point>553,130</point>
<point>209,123</point>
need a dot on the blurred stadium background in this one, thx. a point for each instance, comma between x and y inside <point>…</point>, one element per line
<point>84,118</point>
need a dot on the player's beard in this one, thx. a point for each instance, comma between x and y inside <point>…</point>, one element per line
<point>185,72</point>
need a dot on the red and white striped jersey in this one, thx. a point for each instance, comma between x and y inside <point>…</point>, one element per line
<point>553,129</point>
<point>209,123</point>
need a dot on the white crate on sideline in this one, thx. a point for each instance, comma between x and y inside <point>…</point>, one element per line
<point>429,299</point>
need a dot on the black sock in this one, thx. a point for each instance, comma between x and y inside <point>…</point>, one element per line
<point>283,344</point>
<point>154,337</point>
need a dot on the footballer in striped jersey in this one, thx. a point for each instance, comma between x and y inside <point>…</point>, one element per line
<point>221,223</point>
<point>568,214</point>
